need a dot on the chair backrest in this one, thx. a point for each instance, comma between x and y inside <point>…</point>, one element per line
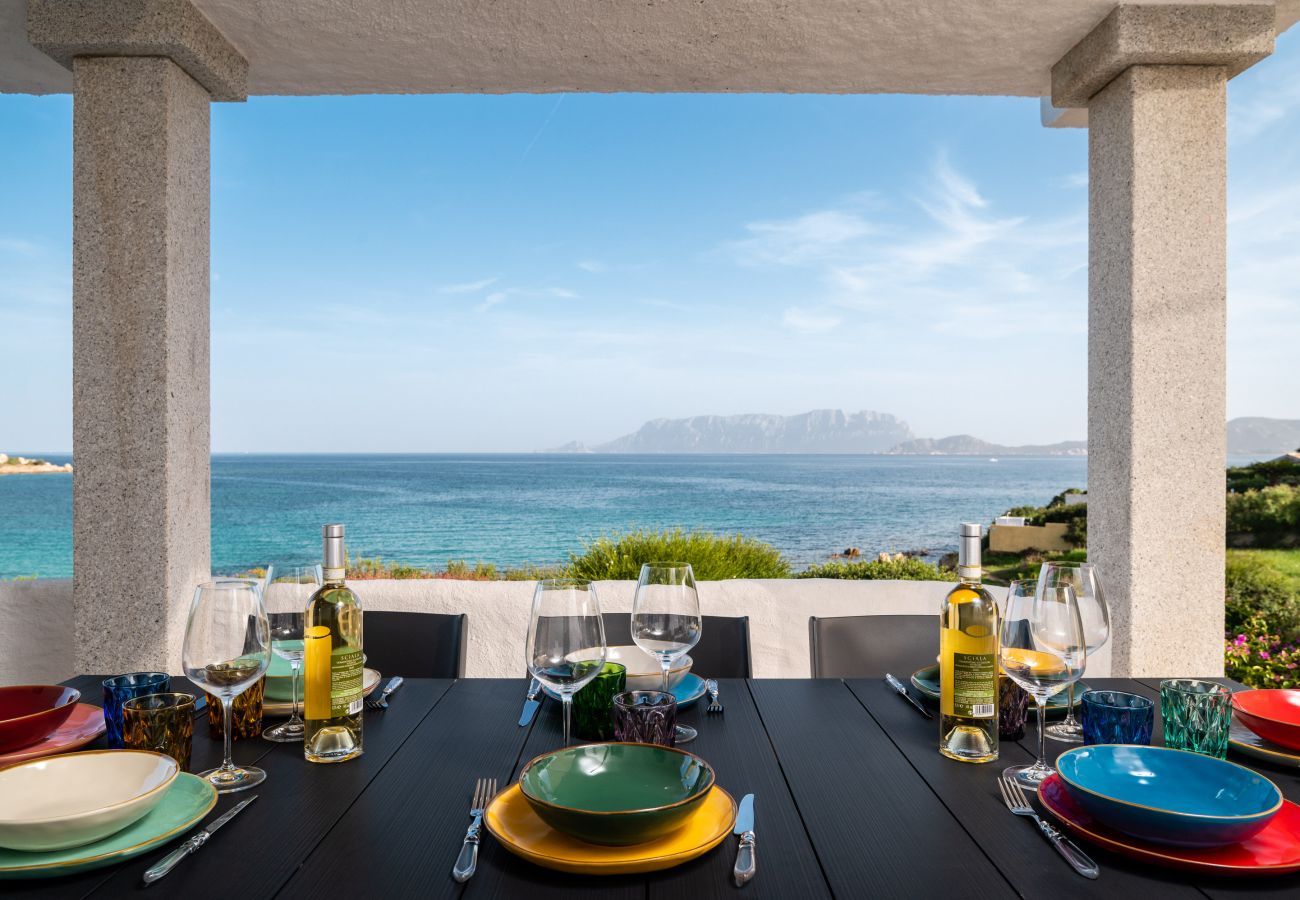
<point>870,646</point>
<point>416,645</point>
<point>723,650</point>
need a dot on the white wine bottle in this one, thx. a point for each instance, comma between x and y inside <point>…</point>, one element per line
<point>333,667</point>
<point>968,661</point>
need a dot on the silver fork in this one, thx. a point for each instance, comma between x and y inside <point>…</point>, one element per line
<point>714,705</point>
<point>484,790</point>
<point>381,702</point>
<point>1014,797</point>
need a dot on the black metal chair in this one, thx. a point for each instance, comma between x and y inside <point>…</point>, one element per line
<point>870,646</point>
<point>723,650</point>
<point>416,645</point>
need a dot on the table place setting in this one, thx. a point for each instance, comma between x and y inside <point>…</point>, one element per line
<point>632,801</point>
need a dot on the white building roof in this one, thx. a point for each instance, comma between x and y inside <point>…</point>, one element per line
<point>497,46</point>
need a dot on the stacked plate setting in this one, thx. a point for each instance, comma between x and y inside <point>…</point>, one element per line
<point>612,808</point>
<point>1266,725</point>
<point>1175,808</point>
<point>76,811</point>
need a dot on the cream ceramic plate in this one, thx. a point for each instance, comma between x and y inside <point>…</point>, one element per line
<point>643,670</point>
<point>277,708</point>
<point>75,798</point>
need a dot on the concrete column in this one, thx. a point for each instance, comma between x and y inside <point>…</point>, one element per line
<point>141,518</point>
<point>1154,80</point>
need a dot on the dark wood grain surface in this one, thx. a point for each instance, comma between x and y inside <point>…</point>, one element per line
<point>853,800</point>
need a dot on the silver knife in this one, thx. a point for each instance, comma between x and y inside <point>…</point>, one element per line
<point>168,862</point>
<point>745,861</point>
<point>531,704</point>
<point>898,686</point>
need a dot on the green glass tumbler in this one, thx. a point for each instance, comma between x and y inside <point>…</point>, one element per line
<point>1196,715</point>
<point>593,706</point>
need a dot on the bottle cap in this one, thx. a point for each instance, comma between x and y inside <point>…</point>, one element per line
<point>333,531</point>
<point>968,529</point>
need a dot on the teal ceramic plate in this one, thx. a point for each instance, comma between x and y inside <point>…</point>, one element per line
<point>687,691</point>
<point>616,794</point>
<point>188,800</point>
<point>927,682</point>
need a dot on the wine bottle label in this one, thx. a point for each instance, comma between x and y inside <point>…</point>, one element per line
<point>346,672</point>
<point>974,685</point>
<point>331,677</point>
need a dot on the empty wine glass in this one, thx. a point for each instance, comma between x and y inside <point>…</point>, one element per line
<point>1095,616</point>
<point>227,648</point>
<point>565,648</point>
<point>286,596</point>
<point>666,620</point>
<point>1042,649</point>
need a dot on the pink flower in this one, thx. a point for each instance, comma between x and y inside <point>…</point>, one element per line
<point>1263,654</point>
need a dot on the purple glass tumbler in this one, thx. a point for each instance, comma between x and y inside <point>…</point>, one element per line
<point>645,717</point>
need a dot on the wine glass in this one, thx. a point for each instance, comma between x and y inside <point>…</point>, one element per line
<point>1042,649</point>
<point>227,648</point>
<point>566,638</point>
<point>1094,614</point>
<point>666,619</point>
<point>286,598</point>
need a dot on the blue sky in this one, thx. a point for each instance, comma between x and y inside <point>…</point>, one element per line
<point>511,273</point>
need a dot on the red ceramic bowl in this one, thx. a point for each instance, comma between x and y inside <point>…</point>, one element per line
<point>1273,715</point>
<point>29,712</point>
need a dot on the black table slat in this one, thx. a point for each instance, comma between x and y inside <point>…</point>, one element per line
<point>971,795</point>
<point>878,829</point>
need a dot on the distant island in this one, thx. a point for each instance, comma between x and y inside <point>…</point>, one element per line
<point>21,465</point>
<point>834,431</point>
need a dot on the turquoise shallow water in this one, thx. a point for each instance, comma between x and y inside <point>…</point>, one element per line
<point>508,509</point>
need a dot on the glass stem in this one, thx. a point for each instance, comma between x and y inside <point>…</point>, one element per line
<point>1042,733</point>
<point>1069,722</point>
<point>567,701</point>
<point>227,713</point>
<point>294,668</point>
<point>666,665</point>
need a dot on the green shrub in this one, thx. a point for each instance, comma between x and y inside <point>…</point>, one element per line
<point>1258,657</point>
<point>713,557</point>
<point>906,569</point>
<point>1256,589</point>
<point>1074,515</point>
<point>1261,475</point>
<point>1270,515</point>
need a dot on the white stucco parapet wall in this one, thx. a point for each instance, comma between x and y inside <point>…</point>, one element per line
<point>36,644</point>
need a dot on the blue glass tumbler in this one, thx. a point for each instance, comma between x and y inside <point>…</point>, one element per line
<point>1115,717</point>
<point>121,688</point>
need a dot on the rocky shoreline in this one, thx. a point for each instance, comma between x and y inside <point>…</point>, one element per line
<point>21,465</point>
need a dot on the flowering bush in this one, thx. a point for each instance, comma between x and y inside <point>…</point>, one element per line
<point>1259,659</point>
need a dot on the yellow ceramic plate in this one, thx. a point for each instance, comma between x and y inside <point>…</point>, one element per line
<point>369,681</point>
<point>517,828</point>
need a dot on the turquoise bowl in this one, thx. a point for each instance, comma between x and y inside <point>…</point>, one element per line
<point>1169,796</point>
<point>616,794</point>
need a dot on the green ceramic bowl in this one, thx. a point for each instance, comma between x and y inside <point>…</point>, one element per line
<point>616,794</point>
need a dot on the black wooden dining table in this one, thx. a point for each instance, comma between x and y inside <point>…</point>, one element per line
<point>852,800</point>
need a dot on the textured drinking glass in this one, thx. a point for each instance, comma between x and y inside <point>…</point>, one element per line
<point>122,688</point>
<point>163,723</point>
<point>593,706</point>
<point>646,717</point>
<point>1115,717</point>
<point>666,620</point>
<point>245,713</point>
<point>1095,616</point>
<point>1013,705</point>
<point>1196,715</point>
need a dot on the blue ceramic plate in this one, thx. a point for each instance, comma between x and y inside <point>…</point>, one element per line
<point>188,800</point>
<point>687,691</point>
<point>1169,796</point>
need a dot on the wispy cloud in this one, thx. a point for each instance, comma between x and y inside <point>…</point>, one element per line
<point>807,321</point>
<point>19,246</point>
<point>496,298</point>
<point>468,287</point>
<point>594,266</point>
<point>809,238</point>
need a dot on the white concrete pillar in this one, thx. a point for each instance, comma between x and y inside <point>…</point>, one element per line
<point>1153,79</point>
<point>144,74</point>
